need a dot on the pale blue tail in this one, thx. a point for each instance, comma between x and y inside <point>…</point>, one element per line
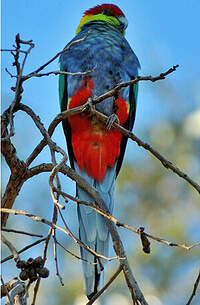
<point>92,228</point>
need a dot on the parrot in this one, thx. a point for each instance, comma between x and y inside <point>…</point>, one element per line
<point>95,149</point>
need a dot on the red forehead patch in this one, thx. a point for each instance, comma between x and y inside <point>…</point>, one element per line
<point>114,10</point>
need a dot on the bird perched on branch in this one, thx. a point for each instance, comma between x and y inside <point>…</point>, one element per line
<point>96,150</point>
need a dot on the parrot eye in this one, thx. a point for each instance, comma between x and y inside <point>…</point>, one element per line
<point>107,13</point>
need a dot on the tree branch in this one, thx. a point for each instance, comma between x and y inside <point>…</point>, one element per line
<point>118,247</point>
<point>21,232</point>
<point>54,57</point>
<point>20,171</point>
<point>5,288</point>
<point>66,231</point>
<point>74,255</point>
<point>97,295</point>
<point>11,248</point>
<point>194,289</point>
<point>24,249</point>
<point>56,257</point>
<point>132,82</point>
<point>59,73</point>
<point>120,224</point>
<point>63,115</point>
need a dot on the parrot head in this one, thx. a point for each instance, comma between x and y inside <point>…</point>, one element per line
<point>109,13</point>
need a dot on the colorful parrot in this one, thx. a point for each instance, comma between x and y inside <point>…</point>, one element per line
<point>95,151</point>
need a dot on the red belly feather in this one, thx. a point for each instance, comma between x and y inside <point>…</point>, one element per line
<point>95,148</point>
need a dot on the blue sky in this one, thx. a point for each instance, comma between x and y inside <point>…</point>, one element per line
<point>161,33</point>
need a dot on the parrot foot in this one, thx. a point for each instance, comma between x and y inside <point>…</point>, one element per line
<point>111,119</point>
<point>89,106</point>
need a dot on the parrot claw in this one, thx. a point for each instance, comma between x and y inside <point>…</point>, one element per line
<point>89,106</point>
<point>111,119</point>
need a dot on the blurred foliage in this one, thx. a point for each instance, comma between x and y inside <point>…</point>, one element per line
<point>147,194</point>
<point>167,207</point>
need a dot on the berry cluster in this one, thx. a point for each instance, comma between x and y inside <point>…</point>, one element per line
<point>32,269</point>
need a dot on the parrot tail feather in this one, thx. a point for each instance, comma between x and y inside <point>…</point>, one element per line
<point>93,230</point>
<point>96,282</point>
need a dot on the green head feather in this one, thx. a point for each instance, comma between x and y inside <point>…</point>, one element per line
<point>88,18</point>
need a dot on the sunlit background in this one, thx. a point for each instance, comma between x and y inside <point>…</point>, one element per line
<point>162,34</point>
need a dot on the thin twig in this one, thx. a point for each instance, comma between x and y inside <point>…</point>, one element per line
<point>166,163</point>
<point>135,291</point>
<point>18,87</point>
<point>132,82</point>
<point>9,73</point>
<point>35,291</point>
<point>54,219</point>
<point>53,147</point>
<point>11,248</point>
<point>21,232</point>
<point>12,50</point>
<point>64,170</point>
<point>74,255</point>
<point>97,295</point>
<point>53,174</point>
<point>54,57</point>
<point>22,250</point>
<point>84,245</point>
<point>66,231</point>
<point>77,110</point>
<point>20,78</point>
<point>6,291</point>
<point>56,257</point>
<point>172,244</point>
<point>61,73</point>
<point>46,244</point>
<point>128,227</point>
<point>194,289</point>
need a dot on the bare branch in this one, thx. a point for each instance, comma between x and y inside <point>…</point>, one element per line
<point>21,232</point>
<point>118,246</point>
<point>20,78</point>
<point>12,50</point>
<point>97,295</point>
<point>132,82</point>
<point>128,227</point>
<point>36,289</point>
<point>58,73</point>
<point>24,249</point>
<point>17,294</point>
<point>18,172</point>
<point>5,290</point>
<point>172,244</point>
<point>63,115</point>
<point>74,255</point>
<point>194,289</point>
<point>54,57</point>
<point>46,244</point>
<point>56,258</point>
<point>66,231</point>
<point>65,170</point>
<point>18,86</point>
<point>11,248</point>
<point>53,147</point>
<point>11,75</point>
<point>167,164</point>
<point>76,240</point>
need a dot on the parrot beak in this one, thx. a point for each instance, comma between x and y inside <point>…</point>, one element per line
<point>123,23</point>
